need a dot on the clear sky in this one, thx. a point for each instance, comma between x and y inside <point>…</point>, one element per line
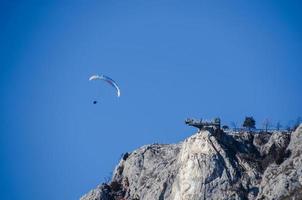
<point>172,59</point>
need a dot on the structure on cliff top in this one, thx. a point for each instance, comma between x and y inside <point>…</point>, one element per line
<point>204,125</point>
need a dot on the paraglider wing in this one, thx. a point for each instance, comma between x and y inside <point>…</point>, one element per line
<point>108,80</point>
<point>94,77</point>
<point>112,83</point>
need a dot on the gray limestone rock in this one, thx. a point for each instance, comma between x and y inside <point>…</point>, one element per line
<point>210,165</point>
<point>102,192</point>
<point>284,181</point>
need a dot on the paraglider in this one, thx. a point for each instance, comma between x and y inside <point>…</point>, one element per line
<point>108,80</point>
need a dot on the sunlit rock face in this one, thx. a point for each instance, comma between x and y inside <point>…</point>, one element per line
<point>210,165</point>
<point>203,170</point>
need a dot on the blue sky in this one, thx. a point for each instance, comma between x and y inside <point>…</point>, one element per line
<point>172,60</point>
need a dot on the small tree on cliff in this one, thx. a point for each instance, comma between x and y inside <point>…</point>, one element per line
<point>249,123</point>
<point>278,125</point>
<point>266,124</point>
<point>234,125</point>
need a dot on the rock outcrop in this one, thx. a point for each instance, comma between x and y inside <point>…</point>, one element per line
<point>210,165</point>
<point>283,179</point>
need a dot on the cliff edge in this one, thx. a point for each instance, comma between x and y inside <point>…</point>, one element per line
<point>210,165</point>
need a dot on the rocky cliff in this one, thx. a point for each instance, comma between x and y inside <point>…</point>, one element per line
<point>210,165</point>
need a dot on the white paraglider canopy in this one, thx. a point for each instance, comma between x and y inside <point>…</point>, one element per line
<point>108,80</point>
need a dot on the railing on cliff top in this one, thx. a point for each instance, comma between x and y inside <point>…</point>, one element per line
<point>257,130</point>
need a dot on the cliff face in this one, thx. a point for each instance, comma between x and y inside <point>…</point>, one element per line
<point>210,165</point>
<point>284,181</point>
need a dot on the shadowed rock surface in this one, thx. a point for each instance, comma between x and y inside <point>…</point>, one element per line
<point>283,179</point>
<point>210,165</point>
